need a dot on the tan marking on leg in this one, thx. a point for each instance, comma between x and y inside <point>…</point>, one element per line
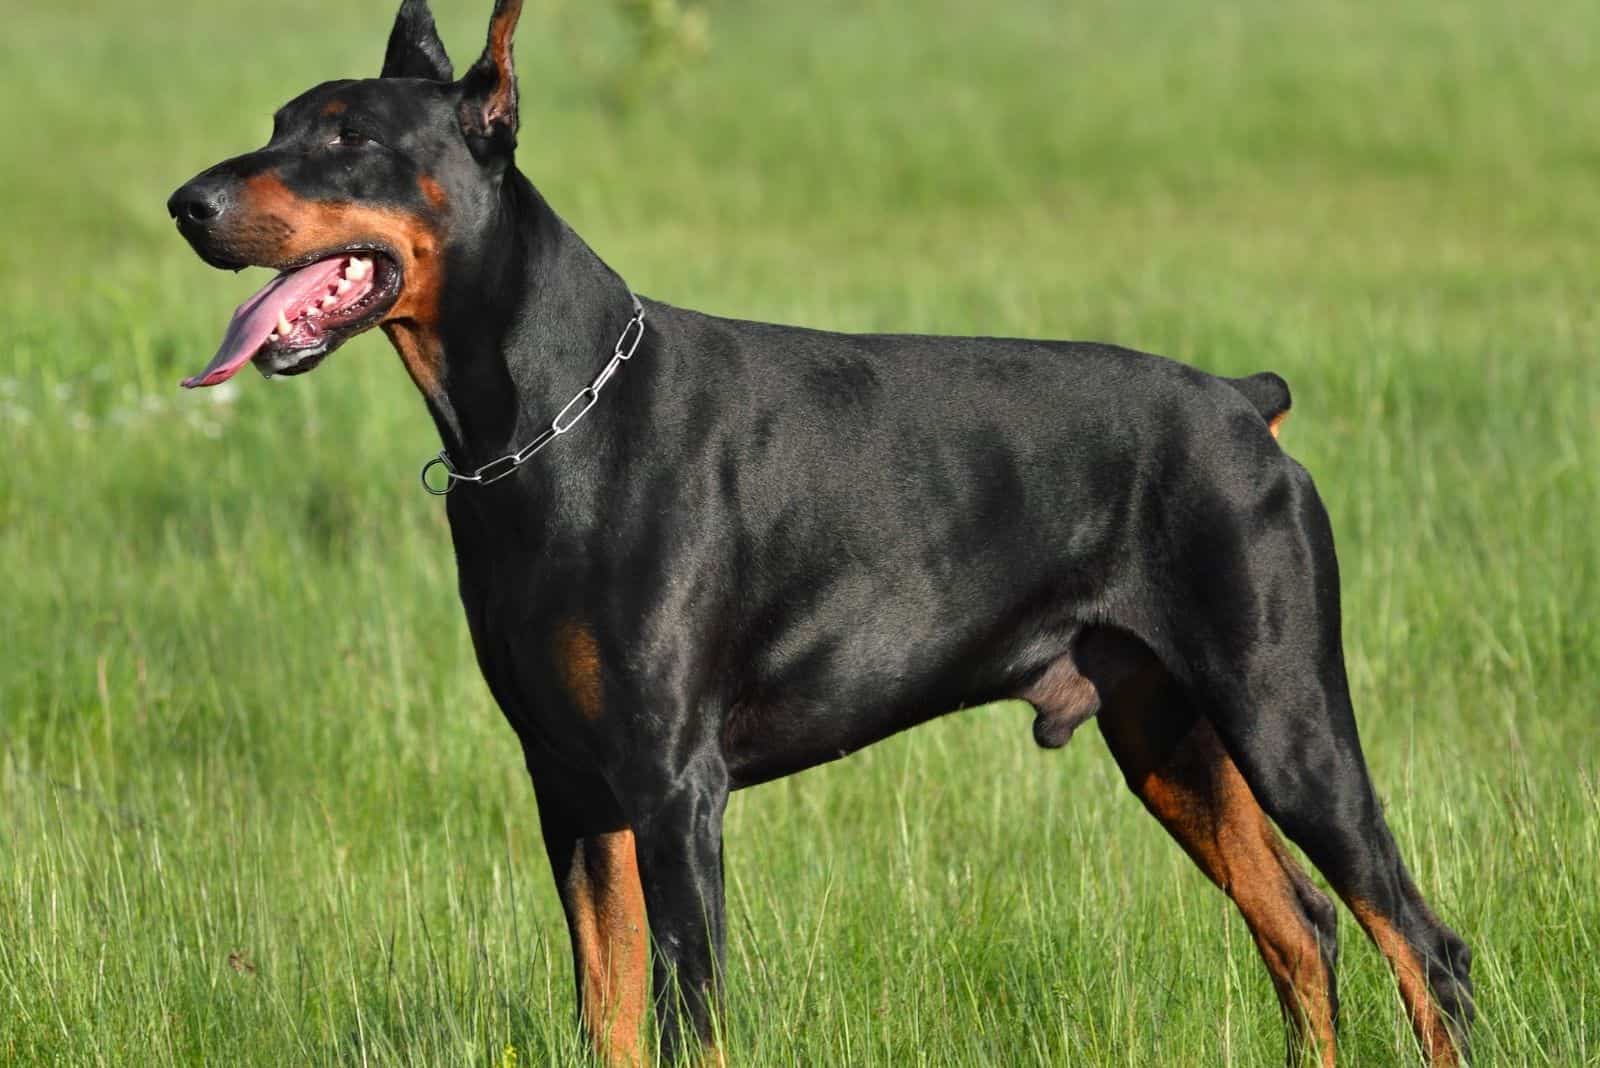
<point>1426,1019</point>
<point>1199,796</point>
<point>1221,826</point>
<point>578,661</point>
<point>610,945</point>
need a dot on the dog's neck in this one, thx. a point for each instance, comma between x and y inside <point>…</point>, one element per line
<point>528,314</point>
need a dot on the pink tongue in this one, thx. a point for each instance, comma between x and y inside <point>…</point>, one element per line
<point>258,317</point>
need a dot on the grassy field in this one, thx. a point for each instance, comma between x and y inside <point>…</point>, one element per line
<point>256,806</point>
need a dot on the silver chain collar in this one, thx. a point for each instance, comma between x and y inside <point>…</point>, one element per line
<point>567,418</point>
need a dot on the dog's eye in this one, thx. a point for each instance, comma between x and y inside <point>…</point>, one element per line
<point>350,139</point>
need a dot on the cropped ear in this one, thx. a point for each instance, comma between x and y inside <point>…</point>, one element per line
<point>489,89</point>
<point>415,50</point>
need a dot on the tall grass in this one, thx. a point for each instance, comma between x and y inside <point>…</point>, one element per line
<point>256,806</point>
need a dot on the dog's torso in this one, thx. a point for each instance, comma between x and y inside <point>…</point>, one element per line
<point>818,539</point>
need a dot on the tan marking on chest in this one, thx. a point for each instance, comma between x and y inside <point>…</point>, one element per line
<point>578,663</point>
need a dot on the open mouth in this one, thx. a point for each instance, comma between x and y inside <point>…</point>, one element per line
<point>293,322</point>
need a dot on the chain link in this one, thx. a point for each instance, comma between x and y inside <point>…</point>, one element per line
<point>569,416</point>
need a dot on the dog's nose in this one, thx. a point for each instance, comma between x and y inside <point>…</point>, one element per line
<point>199,202</point>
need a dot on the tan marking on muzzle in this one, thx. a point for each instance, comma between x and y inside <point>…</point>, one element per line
<point>283,227</point>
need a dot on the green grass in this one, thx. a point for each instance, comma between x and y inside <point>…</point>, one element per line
<point>256,806</point>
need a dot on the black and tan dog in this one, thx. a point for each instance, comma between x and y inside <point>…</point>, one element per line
<point>760,548</point>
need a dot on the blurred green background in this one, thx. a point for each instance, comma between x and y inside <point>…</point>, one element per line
<point>256,806</point>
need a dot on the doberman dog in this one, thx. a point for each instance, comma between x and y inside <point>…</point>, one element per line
<point>697,554</point>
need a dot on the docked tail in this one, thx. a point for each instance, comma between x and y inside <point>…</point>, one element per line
<point>1270,395</point>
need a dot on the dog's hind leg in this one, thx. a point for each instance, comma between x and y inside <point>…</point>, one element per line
<point>1173,761</point>
<point>1267,668</point>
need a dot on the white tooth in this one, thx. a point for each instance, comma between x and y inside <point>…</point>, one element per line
<point>312,313</point>
<point>344,286</point>
<point>358,269</point>
<point>272,336</point>
<point>329,301</point>
<point>284,326</point>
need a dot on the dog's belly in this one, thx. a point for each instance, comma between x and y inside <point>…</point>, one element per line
<point>768,741</point>
<point>1064,680</point>
<point>881,647</point>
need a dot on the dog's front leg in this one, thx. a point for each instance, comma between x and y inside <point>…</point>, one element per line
<point>677,824</point>
<point>592,858</point>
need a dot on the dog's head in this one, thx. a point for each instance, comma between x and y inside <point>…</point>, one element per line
<point>356,197</point>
